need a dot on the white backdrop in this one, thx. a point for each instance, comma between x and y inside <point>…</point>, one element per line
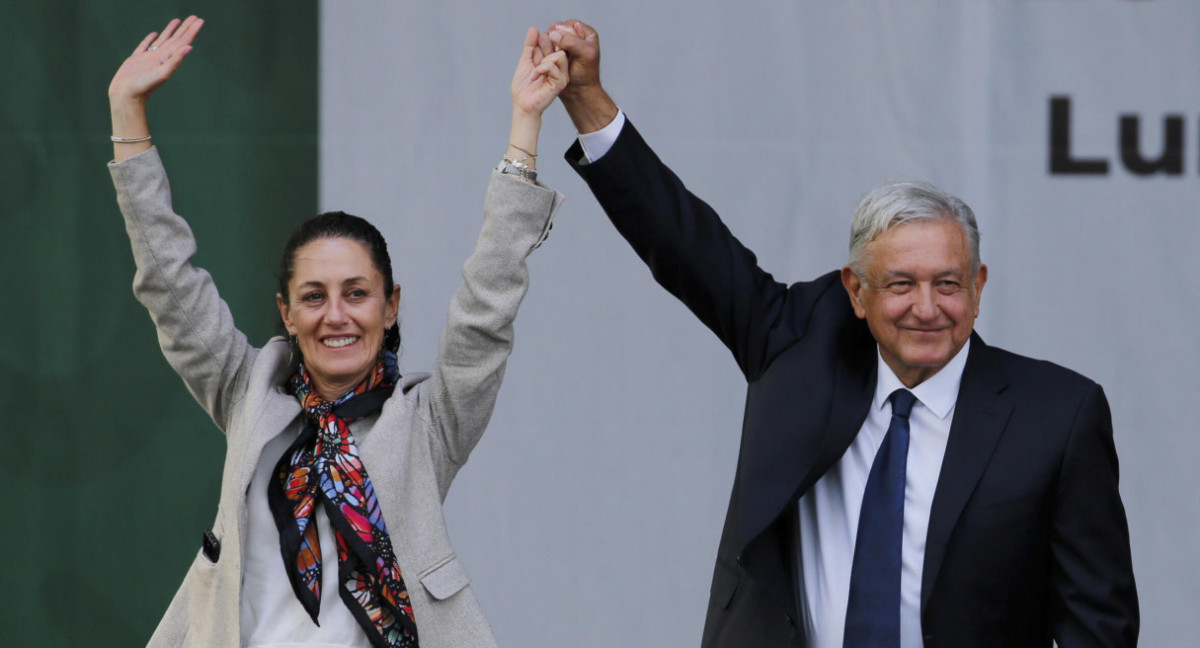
<point>590,513</point>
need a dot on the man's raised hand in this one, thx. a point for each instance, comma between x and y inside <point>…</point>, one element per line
<point>586,102</point>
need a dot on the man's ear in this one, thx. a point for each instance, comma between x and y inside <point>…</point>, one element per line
<point>285,312</point>
<point>981,276</point>
<point>854,288</point>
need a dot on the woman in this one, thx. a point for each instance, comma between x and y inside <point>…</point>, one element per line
<point>336,465</point>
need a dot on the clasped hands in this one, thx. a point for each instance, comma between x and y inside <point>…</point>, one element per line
<point>562,61</point>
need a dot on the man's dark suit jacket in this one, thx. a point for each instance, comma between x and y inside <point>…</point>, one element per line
<point>1027,537</point>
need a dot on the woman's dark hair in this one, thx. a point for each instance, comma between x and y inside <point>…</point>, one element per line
<point>342,225</point>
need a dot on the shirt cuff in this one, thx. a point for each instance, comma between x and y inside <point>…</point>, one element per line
<point>597,143</point>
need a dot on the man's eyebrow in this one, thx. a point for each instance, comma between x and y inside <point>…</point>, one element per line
<point>904,273</point>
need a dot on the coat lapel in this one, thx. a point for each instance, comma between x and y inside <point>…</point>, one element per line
<point>278,411</point>
<point>980,415</point>
<point>784,459</point>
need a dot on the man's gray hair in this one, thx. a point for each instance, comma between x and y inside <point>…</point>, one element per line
<point>900,202</point>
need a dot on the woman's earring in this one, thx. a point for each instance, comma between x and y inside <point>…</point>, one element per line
<point>293,348</point>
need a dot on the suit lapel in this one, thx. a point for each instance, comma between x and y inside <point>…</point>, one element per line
<point>789,456</point>
<point>980,415</point>
<point>850,406</point>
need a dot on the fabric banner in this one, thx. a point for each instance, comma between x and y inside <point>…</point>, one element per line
<point>589,515</point>
<point>596,497</point>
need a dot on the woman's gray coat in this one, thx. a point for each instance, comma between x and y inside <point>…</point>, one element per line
<point>412,450</point>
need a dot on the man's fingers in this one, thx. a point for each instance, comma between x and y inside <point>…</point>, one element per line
<point>577,27</point>
<point>574,45</point>
<point>576,37</point>
<point>571,24</point>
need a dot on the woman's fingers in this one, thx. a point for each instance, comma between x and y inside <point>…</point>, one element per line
<point>178,43</point>
<point>546,80</point>
<point>145,43</point>
<point>531,38</point>
<point>554,63</point>
<point>177,33</point>
<point>165,34</point>
<point>187,31</point>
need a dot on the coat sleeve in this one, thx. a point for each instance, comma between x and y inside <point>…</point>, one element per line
<point>692,254</point>
<point>195,328</point>
<point>478,336</point>
<point>1093,571</point>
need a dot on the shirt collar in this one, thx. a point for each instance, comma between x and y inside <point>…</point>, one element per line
<point>938,393</point>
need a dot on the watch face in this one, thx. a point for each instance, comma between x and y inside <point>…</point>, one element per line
<point>508,168</point>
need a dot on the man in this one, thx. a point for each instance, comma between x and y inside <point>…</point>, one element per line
<point>900,482</point>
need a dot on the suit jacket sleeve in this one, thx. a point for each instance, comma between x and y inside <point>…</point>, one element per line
<point>195,327</point>
<point>1093,570</point>
<point>478,336</point>
<point>692,253</point>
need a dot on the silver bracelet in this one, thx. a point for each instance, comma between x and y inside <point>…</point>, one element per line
<point>128,140</point>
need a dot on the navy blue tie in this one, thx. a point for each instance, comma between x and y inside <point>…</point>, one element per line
<point>873,611</point>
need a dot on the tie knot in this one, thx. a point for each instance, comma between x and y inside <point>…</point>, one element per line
<point>902,402</point>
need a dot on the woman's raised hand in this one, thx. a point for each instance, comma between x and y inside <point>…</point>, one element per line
<point>153,61</point>
<point>541,74</point>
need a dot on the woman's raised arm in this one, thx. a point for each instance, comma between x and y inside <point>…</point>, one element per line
<point>478,336</point>
<point>152,62</point>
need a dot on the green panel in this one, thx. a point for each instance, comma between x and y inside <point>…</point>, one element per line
<point>112,470</point>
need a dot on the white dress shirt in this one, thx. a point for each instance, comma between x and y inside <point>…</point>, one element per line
<point>829,512</point>
<point>596,144</point>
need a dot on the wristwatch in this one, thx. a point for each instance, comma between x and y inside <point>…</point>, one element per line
<point>517,168</point>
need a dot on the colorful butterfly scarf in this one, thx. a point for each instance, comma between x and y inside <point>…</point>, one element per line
<point>323,467</point>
